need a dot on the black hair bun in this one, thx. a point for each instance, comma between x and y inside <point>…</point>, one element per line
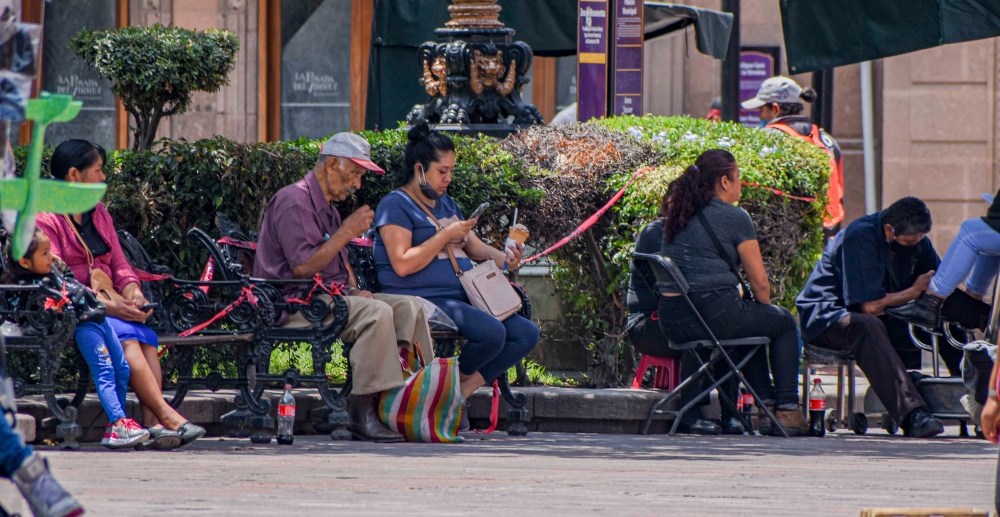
<point>419,131</point>
<point>808,95</point>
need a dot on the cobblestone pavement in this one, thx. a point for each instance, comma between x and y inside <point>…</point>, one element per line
<point>543,475</point>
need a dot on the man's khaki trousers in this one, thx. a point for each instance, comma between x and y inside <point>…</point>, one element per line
<point>377,328</point>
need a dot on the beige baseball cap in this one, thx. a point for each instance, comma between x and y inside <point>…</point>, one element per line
<point>780,89</point>
<point>353,147</point>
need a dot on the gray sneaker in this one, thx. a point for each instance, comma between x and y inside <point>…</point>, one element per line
<point>190,432</point>
<point>123,434</point>
<point>45,496</point>
<point>160,439</point>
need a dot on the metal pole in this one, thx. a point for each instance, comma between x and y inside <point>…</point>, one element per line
<point>731,66</point>
<point>868,137</point>
<point>822,109</point>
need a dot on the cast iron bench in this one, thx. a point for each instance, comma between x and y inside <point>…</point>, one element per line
<point>240,257</point>
<point>44,333</point>
<point>252,327</point>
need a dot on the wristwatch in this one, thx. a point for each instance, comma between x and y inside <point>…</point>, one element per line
<point>349,289</point>
<point>992,394</point>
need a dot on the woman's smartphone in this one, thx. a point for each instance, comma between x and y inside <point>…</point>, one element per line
<point>479,211</point>
<point>149,307</point>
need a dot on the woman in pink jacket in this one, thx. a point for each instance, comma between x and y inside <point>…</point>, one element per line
<point>88,242</point>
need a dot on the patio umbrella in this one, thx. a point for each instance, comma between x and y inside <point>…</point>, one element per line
<point>823,34</point>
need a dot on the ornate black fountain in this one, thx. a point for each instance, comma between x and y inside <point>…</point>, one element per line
<point>475,74</point>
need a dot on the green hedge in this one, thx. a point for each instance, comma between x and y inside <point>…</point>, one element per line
<point>591,273</point>
<point>556,176</point>
<point>790,231</point>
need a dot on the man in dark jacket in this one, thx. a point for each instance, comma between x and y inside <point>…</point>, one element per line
<point>879,261</point>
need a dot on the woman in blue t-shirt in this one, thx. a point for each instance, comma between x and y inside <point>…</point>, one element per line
<point>411,258</point>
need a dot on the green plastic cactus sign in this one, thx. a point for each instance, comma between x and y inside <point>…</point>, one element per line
<point>31,194</point>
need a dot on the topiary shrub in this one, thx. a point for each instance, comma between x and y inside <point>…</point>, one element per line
<point>154,70</point>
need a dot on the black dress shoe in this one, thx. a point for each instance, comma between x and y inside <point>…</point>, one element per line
<point>920,423</point>
<point>732,426</point>
<point>924,312</point>
<point>699,426</point>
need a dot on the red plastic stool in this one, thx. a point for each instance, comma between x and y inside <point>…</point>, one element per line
<point>668,372</point>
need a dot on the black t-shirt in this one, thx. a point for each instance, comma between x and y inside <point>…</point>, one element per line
<point>857,267</point>
<point>91,237</point>
<point>696,255</point>
<point>640,299</point>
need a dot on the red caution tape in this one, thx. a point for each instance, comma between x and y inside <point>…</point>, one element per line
<point>494,409</point>
<point>333,290</point>
<point>247,245</point>
<point>592,220</point>
<point>58,305</point>
<point>778,192</point>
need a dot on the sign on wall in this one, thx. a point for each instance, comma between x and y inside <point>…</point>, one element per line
<point>315,68</point>
<point>592,60</point>
<point>63,72</point>
<point>757,64</point>
<point>628,57</point>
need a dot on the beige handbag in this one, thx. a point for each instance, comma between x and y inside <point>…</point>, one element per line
<point>100,282</point>
<point>485,285</point>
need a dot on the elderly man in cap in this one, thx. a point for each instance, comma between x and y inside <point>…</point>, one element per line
<point>303,235</point>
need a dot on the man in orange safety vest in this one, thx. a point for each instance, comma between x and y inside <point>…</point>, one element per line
<point>779,100</point>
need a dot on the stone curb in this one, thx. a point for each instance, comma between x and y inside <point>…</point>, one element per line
<point>576,410</point>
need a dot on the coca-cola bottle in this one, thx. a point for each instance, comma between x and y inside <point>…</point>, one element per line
<point>817,409</point>
<point>286,417</point>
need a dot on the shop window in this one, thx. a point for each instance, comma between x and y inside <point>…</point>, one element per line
<point>315,67</point>
<point>64,72</point>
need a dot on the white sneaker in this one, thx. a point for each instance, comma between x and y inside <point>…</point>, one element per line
<point>124,433</point>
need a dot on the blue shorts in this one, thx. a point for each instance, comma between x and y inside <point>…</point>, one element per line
<point>128,330</point>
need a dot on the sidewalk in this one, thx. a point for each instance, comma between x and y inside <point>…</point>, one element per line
<point>544,474</point>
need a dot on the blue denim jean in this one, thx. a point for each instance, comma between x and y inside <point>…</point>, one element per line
<point>975,250</point>
<point>492,346</point>
<point>105,356</point>
<point>13,451</point>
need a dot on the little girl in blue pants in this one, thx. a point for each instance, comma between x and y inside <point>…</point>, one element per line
<point>95,338</point>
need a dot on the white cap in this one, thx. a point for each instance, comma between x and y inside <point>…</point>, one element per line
<point>352,147</point>
<point>780,89</point>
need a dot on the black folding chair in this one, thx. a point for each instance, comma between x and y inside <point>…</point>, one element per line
<point>661,275</point>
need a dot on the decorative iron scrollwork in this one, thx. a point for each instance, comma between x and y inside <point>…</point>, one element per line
<point>477,73</point>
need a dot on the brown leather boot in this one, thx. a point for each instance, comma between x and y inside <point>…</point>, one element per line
<point>365,424</point>
<point>793,422</point>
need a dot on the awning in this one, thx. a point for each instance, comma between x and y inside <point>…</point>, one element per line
<point>711,28</point>
<point>547,26</point>
<point>823,34</point>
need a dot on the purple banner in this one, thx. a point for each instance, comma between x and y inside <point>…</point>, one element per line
<point>755,67</point>
<point>628,57</point>
<point>592,60</point>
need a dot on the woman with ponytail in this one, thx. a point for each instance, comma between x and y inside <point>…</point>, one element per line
<point>697,211</point>
<point>411,258</point>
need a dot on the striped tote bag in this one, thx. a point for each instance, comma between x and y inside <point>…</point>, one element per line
<point>426,407</point>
